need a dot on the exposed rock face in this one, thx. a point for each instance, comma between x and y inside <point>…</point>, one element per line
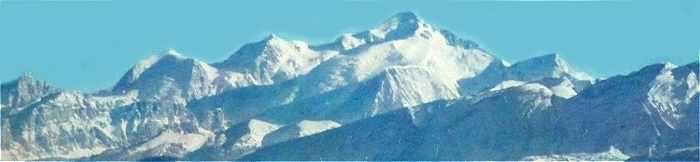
<point>648,112</point>
<point>405,90</point>
<point>24,90</point>
<point>524,121</point>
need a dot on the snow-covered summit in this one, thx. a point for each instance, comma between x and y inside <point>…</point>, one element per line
<point>551,65</point>
<point>533,69</point>
<point>399,26</point>
<point>170,75</point>
<point>402,40</point>
<point>270,60</point>
<point>403,90</point>
<point>410,86</point>
<point>403,25</point>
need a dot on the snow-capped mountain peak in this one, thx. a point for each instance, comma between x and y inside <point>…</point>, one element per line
<point>171,52</point>
<point>404,17</point>
<point>404,25</point>
<point>26,77</point>
<point>143,65</point>
<point>404,90</point>
<point>171,73</point>
<point>272,36</point>
<point>399,26</point>
<point>270,60</point>
<point>273,41</point>
<point>531,70</point>
<point>548,66</point>
<point>271,44</point>
<point>550,63</point>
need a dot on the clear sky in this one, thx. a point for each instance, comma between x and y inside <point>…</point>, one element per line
<point>88,44</point>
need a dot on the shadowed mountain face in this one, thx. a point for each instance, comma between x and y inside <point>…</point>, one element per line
<point>525,122</point>
<point>404,90</point>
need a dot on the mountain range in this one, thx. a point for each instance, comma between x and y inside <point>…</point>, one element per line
<point>404,90</point>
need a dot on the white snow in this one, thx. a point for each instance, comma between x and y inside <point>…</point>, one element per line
<point>82,152</point>
<point>298,130</point>
<point>506,84</point>
<point>168,138</point>
<point>309,127</point>
<point>432,54</point>
<point>663,97</point>
<point>405,62</point>
<point>254,138</point>
<point>409,86</point>
<point>347,41</point>
<point>270,61</point>
<point>613,154</point>
<point>171,76</point>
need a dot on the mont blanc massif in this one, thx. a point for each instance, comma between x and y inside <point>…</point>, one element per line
<point>405,90</point>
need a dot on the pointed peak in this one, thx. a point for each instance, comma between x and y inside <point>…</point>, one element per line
<point>272,36</point>
<point>271,40</point>
<point>401,20</point>
<point>406,16</point>
<point>398,26</point>
<point>550,65</point>
<point>255,49</point>
<point>26,76</point>
<point>170,54</point>
<point>172,51</point>
<point>28,80</point>
<point>24,90</point>
<point>553,55</point>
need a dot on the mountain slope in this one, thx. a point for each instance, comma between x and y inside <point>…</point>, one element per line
<point>524,121</point>
<point>533,69</point>
<point>403,40</point>
<point>655,111</point>
<point>440,131</point>
<point>404,90</point>
<point>170,77</point>
<point>42,130</point>
<point>396,66</point>
<point>270,61</point>
<point>381,137</point>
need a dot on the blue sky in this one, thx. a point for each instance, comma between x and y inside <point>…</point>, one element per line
<point>88,44</point>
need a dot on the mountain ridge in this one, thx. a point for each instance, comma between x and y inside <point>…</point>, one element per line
<point>404,82</point>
